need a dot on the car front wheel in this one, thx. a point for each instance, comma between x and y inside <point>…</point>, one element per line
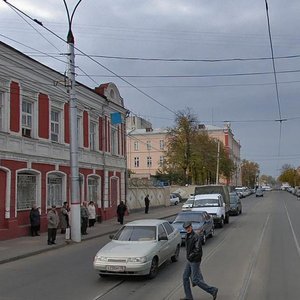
<point>174,258</point>
<point>204,239</point>
<point>153,269</point>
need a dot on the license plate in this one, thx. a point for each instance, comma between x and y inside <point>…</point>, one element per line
<point>115,268</point>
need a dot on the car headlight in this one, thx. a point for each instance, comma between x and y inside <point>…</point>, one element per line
<point>100,258</point>
<point>137,259</point>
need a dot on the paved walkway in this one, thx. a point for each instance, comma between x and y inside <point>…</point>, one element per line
<point>11,250</point>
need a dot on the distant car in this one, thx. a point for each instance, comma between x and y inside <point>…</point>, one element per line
<point>139,248</point>
<point>202,223</point>
<point>188,204</point>
<point>177,195</point>
<point>214,205</point>
<point>235,204</point>
<point>174,199</point>
<point>259,192</point>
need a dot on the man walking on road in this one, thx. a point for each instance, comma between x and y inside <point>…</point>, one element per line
<point>193,244</point>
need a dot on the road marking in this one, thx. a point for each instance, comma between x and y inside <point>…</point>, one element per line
<point>109,290</point>
<point>252,263</point>
<point>293,232</point>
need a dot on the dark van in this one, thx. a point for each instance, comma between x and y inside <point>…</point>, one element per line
<point>216,189</point>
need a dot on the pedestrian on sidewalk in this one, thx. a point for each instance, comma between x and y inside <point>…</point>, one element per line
<point>64,218</point>
<point>84,213</point>
<point>193,245</point>
<point>92,213</point>
<point>121,209</point>
<point>147,202</point>
<point>53,221</point>
<point>35,220</point>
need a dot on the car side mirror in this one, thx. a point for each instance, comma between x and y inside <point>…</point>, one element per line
<point>162,237</point>
<point>111,236</point>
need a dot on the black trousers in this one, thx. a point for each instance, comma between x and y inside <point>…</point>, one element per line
<point>52,235</point>
<point>34,230</point>
<point>84,225</point>
<point>146,209</point>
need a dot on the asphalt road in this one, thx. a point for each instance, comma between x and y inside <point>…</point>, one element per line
<point>255,257</point>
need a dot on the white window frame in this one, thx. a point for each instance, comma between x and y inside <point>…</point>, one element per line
<point>114,140</point>
<point>55,122</point>
<point>97,178</point>
<point>161,160</point>
<point>27,129</point>
<point>93,135</point>
<point>63,198</point>
<point>149,161</point>
<point>36,197</point>
<point>136,146</point>
<point>149,146</point>
<point>161,144</point>
<point>2,110</point>
<point>137,162</point>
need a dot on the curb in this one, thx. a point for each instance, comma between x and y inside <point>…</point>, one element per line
<point>67,243</point>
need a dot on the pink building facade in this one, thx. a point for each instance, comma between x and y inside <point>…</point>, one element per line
<point>35,137</point>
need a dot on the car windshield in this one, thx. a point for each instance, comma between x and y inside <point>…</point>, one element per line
<point>189,217</point>
<point>206,202</point>
<point>189,201</point>
<point>136,233</point>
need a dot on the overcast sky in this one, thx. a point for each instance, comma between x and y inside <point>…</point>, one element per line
<point>123,35</point>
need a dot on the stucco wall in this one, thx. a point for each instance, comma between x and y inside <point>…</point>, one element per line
<point>158,197</point>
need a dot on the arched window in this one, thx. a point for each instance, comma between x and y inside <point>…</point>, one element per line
<point>94,189</point>
<point>27,187</point>
<point>55,189</point>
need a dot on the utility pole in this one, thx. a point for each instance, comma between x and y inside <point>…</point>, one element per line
<point>75,199</point>
<point>218,163</point>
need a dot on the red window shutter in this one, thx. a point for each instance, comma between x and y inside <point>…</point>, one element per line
<point>43,118</point>
<point>85,129</point>
<point>14,107</point>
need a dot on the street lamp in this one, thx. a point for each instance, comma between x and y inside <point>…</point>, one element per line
<point>75,199</point>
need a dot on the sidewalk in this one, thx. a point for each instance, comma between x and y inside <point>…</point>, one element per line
<point>11,250</point>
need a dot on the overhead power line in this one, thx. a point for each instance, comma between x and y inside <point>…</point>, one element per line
<point>92,59</point>
<point>190,59</point>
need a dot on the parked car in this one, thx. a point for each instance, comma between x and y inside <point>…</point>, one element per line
<point>243,191</point>
<point>174,199</point>
<point>188,203</point>
<point>235,204</point>
<point>216,189</point>
<point>139,248</point>
<point>213,204</point>
<point>259,192</point>
<point>177,195</point>
<point>202,223</point>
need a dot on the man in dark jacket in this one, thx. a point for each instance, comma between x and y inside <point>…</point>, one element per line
<point>193,244</point>
<point>147,202</point>
<point>121,209</point>
<point>34,220</point>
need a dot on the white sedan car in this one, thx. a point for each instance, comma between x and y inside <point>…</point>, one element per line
<point>139,248</point>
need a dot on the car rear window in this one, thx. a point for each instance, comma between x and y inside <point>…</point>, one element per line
<point>189,217</point>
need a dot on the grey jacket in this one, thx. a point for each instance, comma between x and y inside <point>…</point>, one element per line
<point>53,219</point>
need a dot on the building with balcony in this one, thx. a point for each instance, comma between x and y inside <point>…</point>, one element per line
<point>35,140</point>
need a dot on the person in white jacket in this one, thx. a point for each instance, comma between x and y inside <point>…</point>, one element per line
<point>92,213</point>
